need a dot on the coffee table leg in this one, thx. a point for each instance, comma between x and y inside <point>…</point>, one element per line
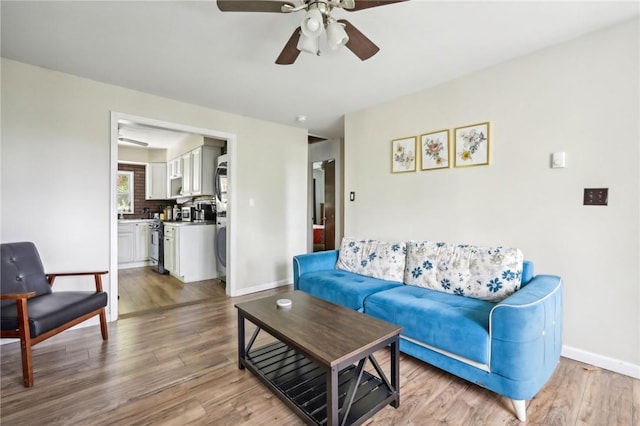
<point>332,396</point>
<point>395,371</point>
<point>241,347</point>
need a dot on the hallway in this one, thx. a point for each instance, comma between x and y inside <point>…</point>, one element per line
<point>142,290</point>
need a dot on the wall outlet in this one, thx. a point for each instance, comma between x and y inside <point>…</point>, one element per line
<point>596,196</point>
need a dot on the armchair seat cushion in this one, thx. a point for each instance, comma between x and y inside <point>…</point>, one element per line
<point>459,325</point>
<point>52,310</point>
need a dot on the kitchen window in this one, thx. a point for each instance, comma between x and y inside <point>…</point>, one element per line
<point>124,192</point>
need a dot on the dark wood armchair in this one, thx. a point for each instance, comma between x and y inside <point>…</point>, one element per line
<point>31,311</point>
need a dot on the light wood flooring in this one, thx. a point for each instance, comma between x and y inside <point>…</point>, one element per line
<point>179,367</point>
<point>143,290</point>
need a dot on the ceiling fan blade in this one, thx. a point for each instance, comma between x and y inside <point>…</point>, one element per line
<point>359,43</point>
<point>366,4</point>
<point>253,5</point>
<point>290,51</point>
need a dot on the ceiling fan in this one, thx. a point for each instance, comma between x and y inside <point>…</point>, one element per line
<point>317,20</point>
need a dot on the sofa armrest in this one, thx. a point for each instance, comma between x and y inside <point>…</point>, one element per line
<point>526,331</point>
<point>311,262</point>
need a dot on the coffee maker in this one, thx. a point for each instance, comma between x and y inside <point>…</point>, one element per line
<point>205,211</point>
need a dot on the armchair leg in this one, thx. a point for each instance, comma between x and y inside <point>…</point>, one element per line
<point>103,325</point>
<point>25,343</point>
<point>521,409</point>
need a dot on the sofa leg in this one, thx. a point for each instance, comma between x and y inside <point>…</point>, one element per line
<point>521,409</point>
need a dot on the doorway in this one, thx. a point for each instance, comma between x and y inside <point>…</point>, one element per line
<point>324,205</point>
<point>231,151</point>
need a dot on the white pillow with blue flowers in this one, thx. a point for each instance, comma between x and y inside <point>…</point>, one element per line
<point>486,273</point>
<point>372,258</point>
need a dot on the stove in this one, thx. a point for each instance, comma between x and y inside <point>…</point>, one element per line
<point>156,246</point>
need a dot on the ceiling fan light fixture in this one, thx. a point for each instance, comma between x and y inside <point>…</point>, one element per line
<point>308,44</point>
<point>336,35</point>
<point>312,24</point>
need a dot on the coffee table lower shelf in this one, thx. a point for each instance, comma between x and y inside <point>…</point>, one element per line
<point>301,384</point>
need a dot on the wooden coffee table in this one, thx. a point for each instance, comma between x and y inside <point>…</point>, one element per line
<point>316,366</point>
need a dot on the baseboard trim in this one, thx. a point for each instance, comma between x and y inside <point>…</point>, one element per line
<point>261,287</point>
<point>612,364</point>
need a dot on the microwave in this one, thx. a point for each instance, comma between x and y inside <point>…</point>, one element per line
<point>188,214</point>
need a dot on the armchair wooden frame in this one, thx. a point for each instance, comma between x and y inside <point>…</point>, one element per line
<point>23,331</point>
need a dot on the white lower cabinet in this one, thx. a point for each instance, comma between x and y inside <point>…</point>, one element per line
<point>133,244</point>
<point>125,243</point>
<point>189,252</point>
<point>143,236</point>
<point>170,248</point>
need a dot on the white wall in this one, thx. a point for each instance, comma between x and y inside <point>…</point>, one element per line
<point>56,141</point>
<point>141,155</point>
<point>581,97</point>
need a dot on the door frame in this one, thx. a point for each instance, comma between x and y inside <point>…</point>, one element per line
<point>231,219</point>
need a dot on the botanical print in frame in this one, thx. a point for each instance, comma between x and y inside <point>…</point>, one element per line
<point>434,148</point>
<point>403,155</point>
<point>472,145</point>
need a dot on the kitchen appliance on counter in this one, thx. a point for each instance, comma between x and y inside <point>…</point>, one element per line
<point>156,246</point>
<point>188,214</point>
<point>205,211</point>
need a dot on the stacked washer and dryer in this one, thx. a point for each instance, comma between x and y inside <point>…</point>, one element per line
<point>221,184</point>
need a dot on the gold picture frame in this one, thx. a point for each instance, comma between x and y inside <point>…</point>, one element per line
<point>435,150</point>
<point>472,145</point>
<point>403,155</point>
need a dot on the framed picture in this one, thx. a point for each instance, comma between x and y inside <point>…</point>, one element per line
<point>472,145</point>
<point>434,148</point>
<point>403,155</point>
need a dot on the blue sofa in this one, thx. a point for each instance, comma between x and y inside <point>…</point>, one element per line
<point>510,347</point>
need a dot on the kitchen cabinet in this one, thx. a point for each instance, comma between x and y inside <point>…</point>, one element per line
<point>142,238</point>
<point>170,248</point>
<point>193,173</point>
<point>186,174</point>
<point>133,243</point>
<point>198,172</point>
<point>156,181</point>
<point>125,243</point>
<point>190,251</point>
<point>174,168</point>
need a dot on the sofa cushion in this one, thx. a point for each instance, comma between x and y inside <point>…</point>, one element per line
<point>486,273</point>
<point>342,287</point>
<point>372,258</point>
<point>459,325</point>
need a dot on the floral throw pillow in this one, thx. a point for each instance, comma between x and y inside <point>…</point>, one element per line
<point>486,273</point>
<point>373,258</point>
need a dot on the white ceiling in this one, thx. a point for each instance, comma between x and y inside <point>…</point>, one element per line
<point>190,51</point>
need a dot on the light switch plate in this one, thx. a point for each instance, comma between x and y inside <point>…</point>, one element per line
<point>596,196</point>
<point>558,160</point>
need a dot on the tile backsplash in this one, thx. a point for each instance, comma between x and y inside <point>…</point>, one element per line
<point>139,201</point>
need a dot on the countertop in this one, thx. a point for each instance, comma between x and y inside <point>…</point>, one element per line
<point>192,223</point>
<point>168,222</point>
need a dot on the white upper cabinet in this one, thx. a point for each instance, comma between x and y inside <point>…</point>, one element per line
<point>198,171</point>
<point>186,174</point>
<point>156,181</point>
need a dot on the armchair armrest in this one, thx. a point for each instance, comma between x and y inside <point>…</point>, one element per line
<point>17,296</point>
<point>96,274</point>
<point>526,332</point>
<point>311,262</point>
